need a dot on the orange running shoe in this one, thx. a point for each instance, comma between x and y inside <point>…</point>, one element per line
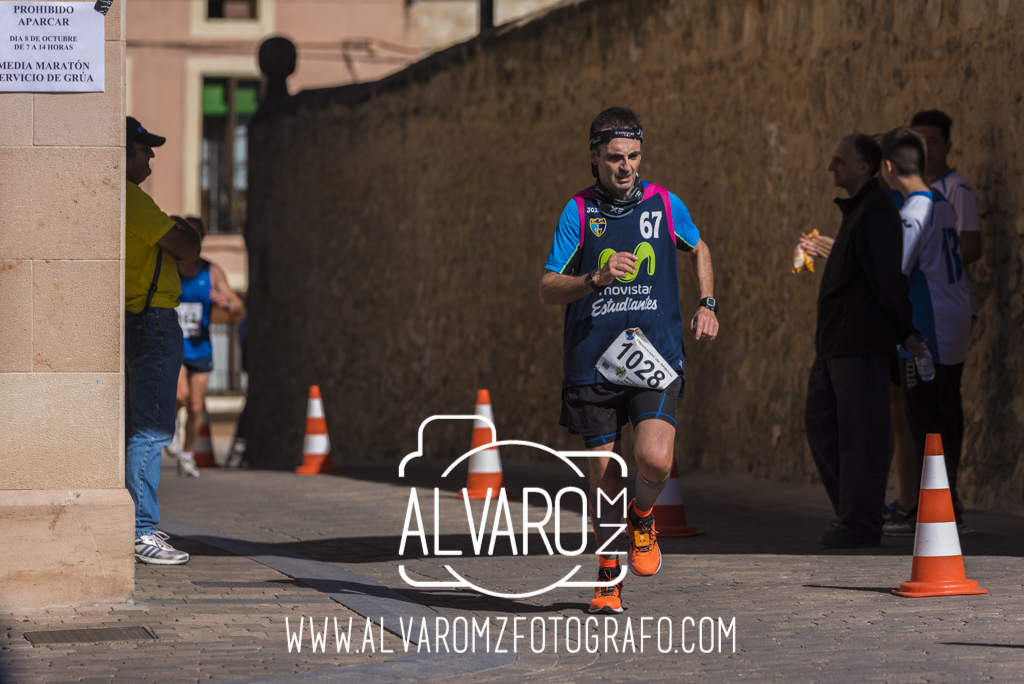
<point>644,554</point>
<point>607,600</point>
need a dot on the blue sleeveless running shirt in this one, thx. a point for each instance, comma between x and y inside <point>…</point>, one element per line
<point>194,313</point>
<point>658,226</point>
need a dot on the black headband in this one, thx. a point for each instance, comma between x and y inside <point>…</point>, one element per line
<point>607,134</point>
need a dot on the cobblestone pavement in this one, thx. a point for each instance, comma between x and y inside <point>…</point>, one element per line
<point>802,613</point>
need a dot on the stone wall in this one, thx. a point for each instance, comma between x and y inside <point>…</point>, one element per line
<point>66,520</point>
<point>399,229</point>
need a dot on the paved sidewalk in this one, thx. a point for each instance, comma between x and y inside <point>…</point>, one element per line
<point>802,614</point>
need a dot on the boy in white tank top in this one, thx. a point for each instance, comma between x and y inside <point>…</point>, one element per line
<point>938,291</point>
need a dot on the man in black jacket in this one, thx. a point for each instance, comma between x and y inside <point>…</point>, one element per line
<point>863,312</point>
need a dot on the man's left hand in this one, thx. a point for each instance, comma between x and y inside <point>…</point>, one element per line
<point>181,224</point>
<point>704,324</point>
<point>818,245</point>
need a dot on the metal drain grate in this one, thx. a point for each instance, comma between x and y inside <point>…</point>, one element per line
<point>81,636</point>
<point>273,584</point>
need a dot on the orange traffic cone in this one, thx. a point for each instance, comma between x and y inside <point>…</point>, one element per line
<point>316,448</point>
<point>938,568</point>
<point>669,511</point>
<point>484,465</point>
<point>203,448</point>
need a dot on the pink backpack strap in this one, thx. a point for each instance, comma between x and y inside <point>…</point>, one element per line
<point>650,191</point>
<point>580,198</point>
<point>581,206</point>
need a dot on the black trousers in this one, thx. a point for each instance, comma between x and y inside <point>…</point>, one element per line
<point>935,407</point>
<point>847,420</point>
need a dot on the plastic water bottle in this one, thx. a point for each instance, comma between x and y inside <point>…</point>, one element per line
<point>926,367</point>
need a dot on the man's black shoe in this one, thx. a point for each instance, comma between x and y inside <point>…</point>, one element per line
<point>841,539</point>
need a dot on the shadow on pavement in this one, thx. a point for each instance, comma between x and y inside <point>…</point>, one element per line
<point>877,590</point>
<point>738,516</point>
<point>964,643</point>
<point>378,549</point>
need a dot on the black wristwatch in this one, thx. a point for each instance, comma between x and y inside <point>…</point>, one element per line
<point>590,281</point>
<point>709,303</point>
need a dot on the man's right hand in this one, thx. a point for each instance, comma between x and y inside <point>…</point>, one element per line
<point>620,264</point>
<point>918,349</point>
<point>183,244</point>
<point>556,288</point>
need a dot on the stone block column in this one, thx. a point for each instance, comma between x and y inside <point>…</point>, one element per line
<point>66,520</point>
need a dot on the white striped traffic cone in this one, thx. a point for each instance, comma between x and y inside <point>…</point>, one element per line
<point>203,448</point>
<point>669,511</point>
<point>484,465</point>
<point>938,568</point>
<point>316,448</point>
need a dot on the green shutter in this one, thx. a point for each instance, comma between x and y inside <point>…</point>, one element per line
<point>214,102</point>
<point>246,99</point>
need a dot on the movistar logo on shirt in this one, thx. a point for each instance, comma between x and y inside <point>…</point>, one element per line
<point>644,253</point>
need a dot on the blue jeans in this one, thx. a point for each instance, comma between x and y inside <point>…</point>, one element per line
<point>153,349</point>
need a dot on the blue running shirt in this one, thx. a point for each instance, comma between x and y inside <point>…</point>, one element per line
<point>194,314</point>
<point>648,299</point>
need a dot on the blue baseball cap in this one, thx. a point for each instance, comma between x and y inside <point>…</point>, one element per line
<point>137,134</point>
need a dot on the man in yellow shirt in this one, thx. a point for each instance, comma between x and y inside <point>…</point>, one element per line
<point>153,341</point>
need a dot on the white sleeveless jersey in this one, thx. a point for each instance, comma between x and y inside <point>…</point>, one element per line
<point>938,291</point>
<point>959,192</point>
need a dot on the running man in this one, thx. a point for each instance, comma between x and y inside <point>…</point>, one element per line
<point>613,263</point>
<point>202,284</point>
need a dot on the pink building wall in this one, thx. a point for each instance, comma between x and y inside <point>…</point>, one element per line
<point>169,51</point>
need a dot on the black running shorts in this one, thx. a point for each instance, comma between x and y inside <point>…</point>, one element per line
<point>598,412</point>
<point>203,365</point>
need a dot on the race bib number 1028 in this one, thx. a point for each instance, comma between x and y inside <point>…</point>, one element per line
<point>633,361</point>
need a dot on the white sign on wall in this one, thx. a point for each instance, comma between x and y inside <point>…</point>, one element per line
<point>51,47</point>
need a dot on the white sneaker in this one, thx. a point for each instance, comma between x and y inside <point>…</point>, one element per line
<point>187,466</point>
<point>154,550</point>
<point>174,448</point>
<point>236,459</point>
